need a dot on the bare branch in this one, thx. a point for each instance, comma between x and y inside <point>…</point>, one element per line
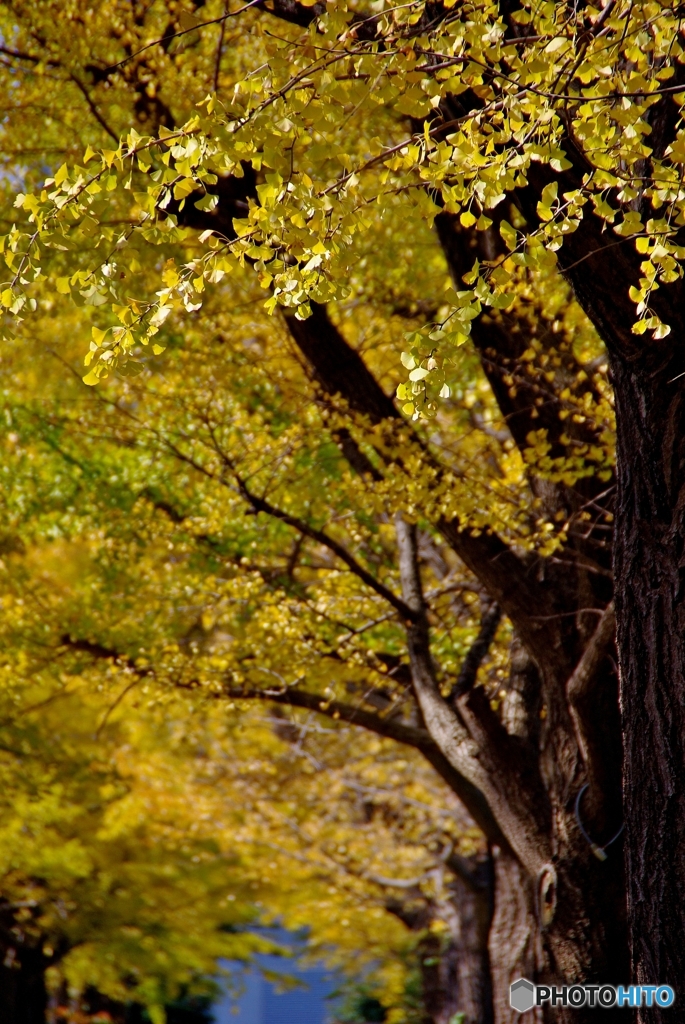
<point>93,109</point>
<point>580,682</point>
<point>489,763</point>
<point>262,505</point>
<point>477,651</point>
<point>471,797</point>
<point>338,710</point>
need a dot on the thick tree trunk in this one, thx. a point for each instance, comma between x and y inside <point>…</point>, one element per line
<point>585,941</point>
<point>650,609</point>
<point>455,968</point>
<point>649,595</point>
<point>515,940</point>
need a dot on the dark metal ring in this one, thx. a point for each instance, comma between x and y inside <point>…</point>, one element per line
<point>599,851</point>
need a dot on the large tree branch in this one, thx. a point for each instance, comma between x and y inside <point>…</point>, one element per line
<point>294,697</point>
<point>579,686</point>
<point>391,728</point>
<point>338,368</point>
<point>530,401</point>
<point>514,804</point>
<point>469,794</point>
<point>468,672</point>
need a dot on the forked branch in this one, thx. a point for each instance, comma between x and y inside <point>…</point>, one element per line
<point>579,684</point>
<point>488,766</point>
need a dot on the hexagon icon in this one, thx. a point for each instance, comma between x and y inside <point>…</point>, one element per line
<point>522,995</point>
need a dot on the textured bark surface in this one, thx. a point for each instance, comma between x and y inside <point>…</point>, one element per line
<point>648,565</point>
<point>521,947</point>
<point>650,607</point>
<point>515,939</point>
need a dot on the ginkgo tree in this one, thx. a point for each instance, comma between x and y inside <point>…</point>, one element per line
<point>445,165</point>
<point>85,546</point>
<point>93,893</point>
<point>145,836</point>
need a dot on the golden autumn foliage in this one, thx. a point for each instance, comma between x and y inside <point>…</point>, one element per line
<point>132,579</point>
<point>211,636</point>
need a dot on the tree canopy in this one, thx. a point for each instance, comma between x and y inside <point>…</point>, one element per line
<point>317,114</point>
<point>121,602</point>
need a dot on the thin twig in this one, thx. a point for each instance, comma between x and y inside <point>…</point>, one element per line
<point>183,32</point>
<point>217,66</point>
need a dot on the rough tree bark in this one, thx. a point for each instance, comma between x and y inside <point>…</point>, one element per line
<point>650,610</point>
<point>514,940</point>
<point>648,379</point>
<point>650,603</point>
